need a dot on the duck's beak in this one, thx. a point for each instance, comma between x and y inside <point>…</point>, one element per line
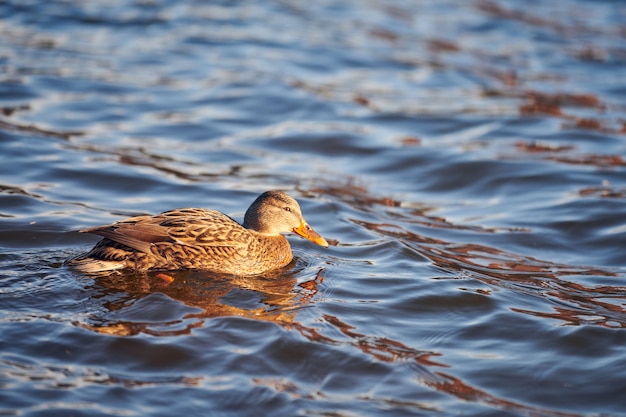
<point>308,233</point>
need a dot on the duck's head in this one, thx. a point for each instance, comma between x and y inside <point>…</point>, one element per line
<point>275,212</point>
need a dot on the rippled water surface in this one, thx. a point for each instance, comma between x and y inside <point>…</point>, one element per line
<point>464,158</point>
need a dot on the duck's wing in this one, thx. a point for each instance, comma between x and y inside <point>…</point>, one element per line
<point>138,233</point>
<point>190,226</point>
<point>201,227</point>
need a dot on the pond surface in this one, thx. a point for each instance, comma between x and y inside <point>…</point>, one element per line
<point>464,158</point>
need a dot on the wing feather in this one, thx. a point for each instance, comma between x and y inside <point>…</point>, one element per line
<point>189,227</point>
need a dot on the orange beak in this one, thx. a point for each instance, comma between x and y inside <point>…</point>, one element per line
<point>308,233</point>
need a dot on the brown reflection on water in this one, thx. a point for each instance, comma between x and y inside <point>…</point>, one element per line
<point>577,303</point>
<point>605,191</point>
<point>500,269</point>
<point>382,348</point>
<point>357,196</point>
<point>422,363</point>
<point>566,154</point>
<point>505,73</point>
<point>458,388</point>
<point>32,129</point>
<point>273,297</point>
<point>139,156</point>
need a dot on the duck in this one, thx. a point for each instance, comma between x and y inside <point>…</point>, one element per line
<point>201,239</point>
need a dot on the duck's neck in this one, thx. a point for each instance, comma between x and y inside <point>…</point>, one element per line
<point>275,249</point>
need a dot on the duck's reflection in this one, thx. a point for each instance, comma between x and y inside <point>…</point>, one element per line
<point>275,296</point>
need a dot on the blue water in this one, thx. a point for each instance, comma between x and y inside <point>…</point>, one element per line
<point>466,159</point>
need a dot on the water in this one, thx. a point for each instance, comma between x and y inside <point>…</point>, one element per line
<point>465,158</point>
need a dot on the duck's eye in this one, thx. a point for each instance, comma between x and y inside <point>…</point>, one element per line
<point>287,208</point>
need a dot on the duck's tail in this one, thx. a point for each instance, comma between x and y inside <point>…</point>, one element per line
<point>89,265</point>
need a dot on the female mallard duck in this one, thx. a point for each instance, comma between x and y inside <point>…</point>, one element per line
<point>194,238</point>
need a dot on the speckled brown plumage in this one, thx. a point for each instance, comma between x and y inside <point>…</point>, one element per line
<point>194,238</point>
